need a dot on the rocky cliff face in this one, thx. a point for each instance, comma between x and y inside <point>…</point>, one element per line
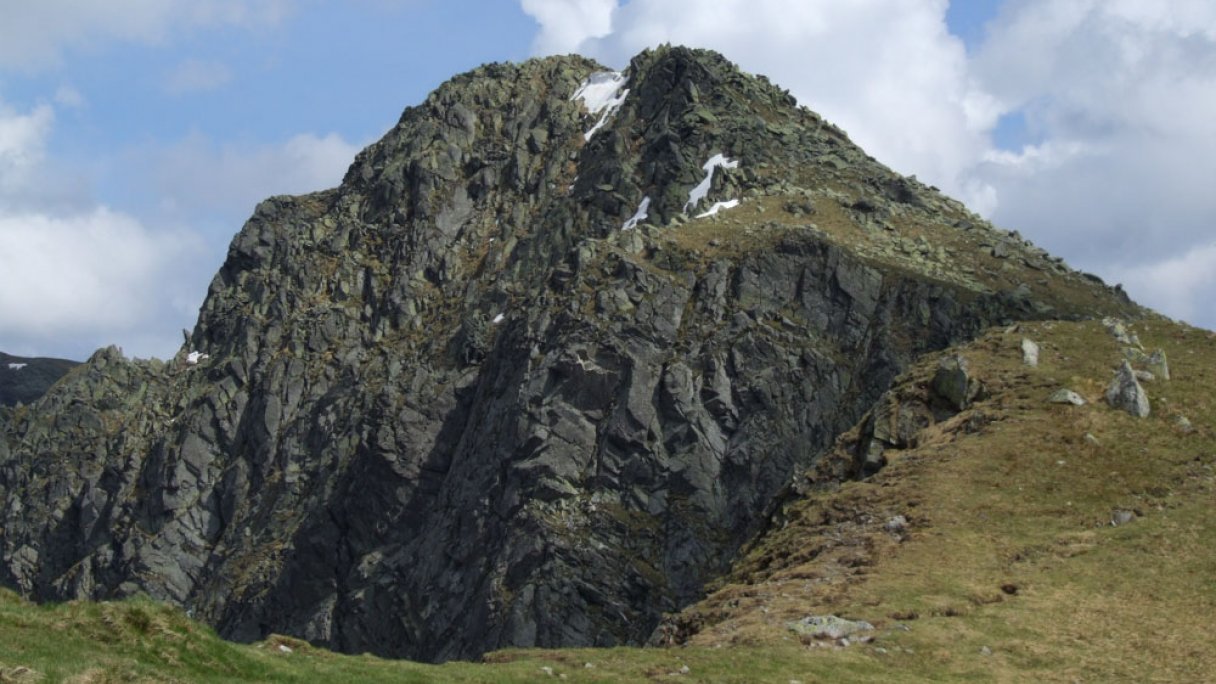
<point>503,387</point>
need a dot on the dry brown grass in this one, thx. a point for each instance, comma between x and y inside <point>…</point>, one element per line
<point>1009,545</point>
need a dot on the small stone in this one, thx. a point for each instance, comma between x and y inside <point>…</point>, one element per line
<point>1184,424</point>
<point>284,648</point>
<point>1158,365</point>
<point>1145,376</point>
<point>1121,517</point>
<point>1117,329</point>
<point>1067,396</point>
<point>1030,352</point>
<point>828,626</point>
<point>547,670</point>
<point>588,666</point>
<point>985,651</point>
<point>897,524</point>
<point>1091,440</point>
<point>684,669</point>
<point>1125,393</point>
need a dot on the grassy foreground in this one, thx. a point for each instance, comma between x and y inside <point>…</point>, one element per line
<point>1008,569</point>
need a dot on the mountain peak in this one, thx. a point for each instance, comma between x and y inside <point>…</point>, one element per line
<point>530,376</point>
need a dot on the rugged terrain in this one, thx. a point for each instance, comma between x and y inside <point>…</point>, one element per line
<point>1027,551</point>
<point>512,383</point>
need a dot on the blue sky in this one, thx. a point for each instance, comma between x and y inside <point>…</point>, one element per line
<point>137,135</point>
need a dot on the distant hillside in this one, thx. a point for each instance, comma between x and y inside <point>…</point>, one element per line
<point>24,379</point>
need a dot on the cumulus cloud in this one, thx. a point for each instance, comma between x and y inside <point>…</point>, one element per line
<point>193,76</point>
<point>88,273</point>
<point>34,35</point>
<point>1117,97</point>
<point>74,278</point>
<point>565,25</point>
<point>1122,96</point>
<point>198,175</point>
<point>1175,282</point>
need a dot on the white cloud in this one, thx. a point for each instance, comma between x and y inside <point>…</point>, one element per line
<point>199,176</point>
<point>22,141</point>
<point>193,76</point>
<point>97,273</point>
<point>1179,287</point>
<point>34,35</point>
<point>67,96</point>
<point>566,25</point>
<point>1122,96</point>
<point>73,278</point>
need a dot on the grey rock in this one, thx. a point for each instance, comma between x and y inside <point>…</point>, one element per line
<point>1030,352</point>
<point>828,627</point>
<point>1126,394</point>
<point>1117,330</point>
<point>1158,364</point>
<point>953,383</point>
<point>1121,517</point>
<point>1066,396</point>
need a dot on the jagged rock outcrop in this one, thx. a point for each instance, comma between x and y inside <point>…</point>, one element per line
<point>503,387</point>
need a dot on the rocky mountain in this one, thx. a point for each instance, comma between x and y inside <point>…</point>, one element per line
<point>24,379</point>
<point>531,376</point>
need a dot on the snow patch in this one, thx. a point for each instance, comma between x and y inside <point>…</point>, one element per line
<point>603,91</point>
<point>638,216</point>
<point>17,366</point>
<point>698,193</point>
<point>718,206</point>
<point>195,356</point>
<point>498,319</point>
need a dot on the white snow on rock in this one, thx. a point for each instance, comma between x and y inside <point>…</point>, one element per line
<point>718,206</point>
<point>603,91</point>
<point>698,193</point>
<point>17,366</point>
<point>498,319</point>
<point>638,216</point>
<point>196,356</point>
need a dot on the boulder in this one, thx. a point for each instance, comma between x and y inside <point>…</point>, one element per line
<point>1126,394</point>
<point>1030,352</point>
<point>828,627</point>
<point>953,383</point>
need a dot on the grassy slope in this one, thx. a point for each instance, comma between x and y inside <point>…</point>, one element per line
<point>1008,548</point>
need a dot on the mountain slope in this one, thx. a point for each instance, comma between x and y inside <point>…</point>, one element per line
<point>503,387</point>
